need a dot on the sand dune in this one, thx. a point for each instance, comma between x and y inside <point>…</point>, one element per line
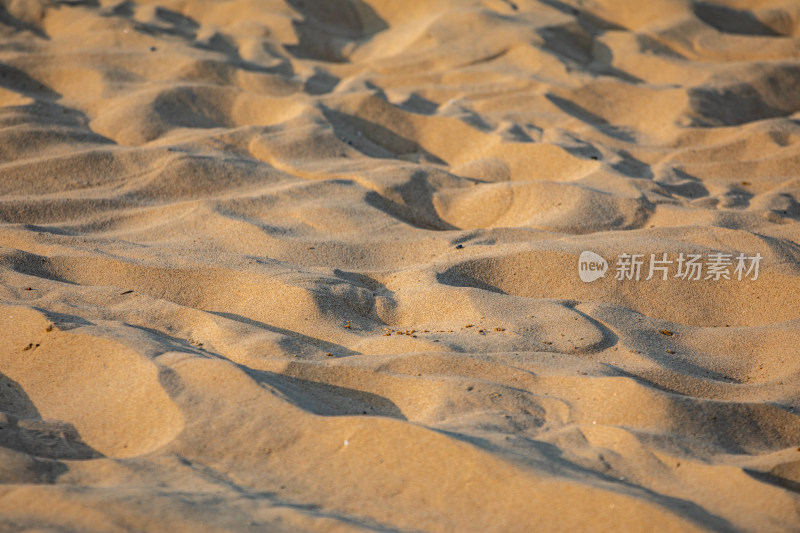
<point>298,265</point>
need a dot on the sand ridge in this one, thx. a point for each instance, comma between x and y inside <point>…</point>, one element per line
<point>298,265</point>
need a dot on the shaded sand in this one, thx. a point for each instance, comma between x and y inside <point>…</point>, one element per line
<point>295,265</point>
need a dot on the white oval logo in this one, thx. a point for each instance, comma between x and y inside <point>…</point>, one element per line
<point>591,266</point>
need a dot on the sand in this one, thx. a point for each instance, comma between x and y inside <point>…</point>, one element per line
<point>298,265</point>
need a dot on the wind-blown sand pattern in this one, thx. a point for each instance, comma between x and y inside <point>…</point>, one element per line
<point>298,265</point>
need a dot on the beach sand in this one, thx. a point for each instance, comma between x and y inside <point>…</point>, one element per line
<point>298,265</point>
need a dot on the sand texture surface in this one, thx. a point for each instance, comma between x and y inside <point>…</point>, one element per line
<point>313,265</point>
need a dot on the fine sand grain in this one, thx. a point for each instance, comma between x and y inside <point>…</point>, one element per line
<point>313,265</point>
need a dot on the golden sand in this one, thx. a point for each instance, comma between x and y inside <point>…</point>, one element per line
<point>313,265</point>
